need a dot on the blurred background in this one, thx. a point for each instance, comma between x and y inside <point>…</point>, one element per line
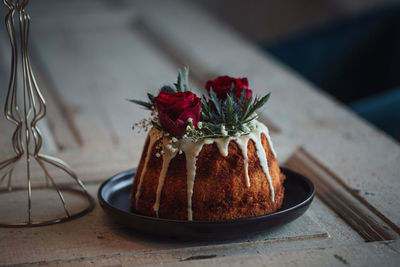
<point>348,48</point>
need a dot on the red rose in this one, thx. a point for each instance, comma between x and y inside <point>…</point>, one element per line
<point>222,86</point>
<point>174,110</point>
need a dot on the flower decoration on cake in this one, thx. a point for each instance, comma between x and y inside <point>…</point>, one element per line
<point>228,110</point>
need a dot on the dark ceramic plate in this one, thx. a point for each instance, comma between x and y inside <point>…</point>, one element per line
<point>113,196</point>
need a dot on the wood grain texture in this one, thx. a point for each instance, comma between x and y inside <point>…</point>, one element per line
<point>91,57</point>
<point>96,235</point>
<point>359,214</point>
<point>369,254</point>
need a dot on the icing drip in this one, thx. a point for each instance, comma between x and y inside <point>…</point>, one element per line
<point>242,143</point>
<point>223,144</point>
<point>262,157</point>
<point>192,150</point>
<point>154,135</point>
<point>263,129</point>
<point>167,157</point>
<point>255,135</point>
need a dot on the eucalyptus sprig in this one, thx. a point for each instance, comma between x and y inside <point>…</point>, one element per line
<point>182,84</point>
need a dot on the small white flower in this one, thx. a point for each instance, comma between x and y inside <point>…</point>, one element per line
<point>158,155</point>
<point>174,139</point>
<point>171,148</point>
<point>199,124</point>
<point>190,120</point>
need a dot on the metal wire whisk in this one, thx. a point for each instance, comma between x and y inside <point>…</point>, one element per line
<point>25,114</point>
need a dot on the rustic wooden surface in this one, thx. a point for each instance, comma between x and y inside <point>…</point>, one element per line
<point>89,56</point>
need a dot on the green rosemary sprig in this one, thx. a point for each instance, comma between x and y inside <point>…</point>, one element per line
<point>147,105</point>
<point>229,117</point>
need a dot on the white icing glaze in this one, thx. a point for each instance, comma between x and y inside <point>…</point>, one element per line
<point>192,150</point>
<point>223,144</point>
<point>262,157</point>
<point>242,143</point>
<point>167,157</point>
<point>153,136</point>
<point>264,129</point>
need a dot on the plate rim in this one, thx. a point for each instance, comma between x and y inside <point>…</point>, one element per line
<point>107,206</point>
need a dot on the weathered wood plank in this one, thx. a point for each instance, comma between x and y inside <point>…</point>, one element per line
<point>61,123</point>
<point>95,235</point>
<point>366,220</point>
<point>98,78</point>
<point>368,254</point>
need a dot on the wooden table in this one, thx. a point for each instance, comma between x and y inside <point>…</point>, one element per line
<point>90,56</point>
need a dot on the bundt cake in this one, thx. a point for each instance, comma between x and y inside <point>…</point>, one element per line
<point>191,170</point>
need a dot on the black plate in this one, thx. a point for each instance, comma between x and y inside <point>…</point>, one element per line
<point>113,196</point>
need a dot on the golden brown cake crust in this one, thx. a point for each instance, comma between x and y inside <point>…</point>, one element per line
<point>220,191</point>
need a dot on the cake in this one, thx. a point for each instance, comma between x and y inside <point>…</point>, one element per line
<point>202,162</point>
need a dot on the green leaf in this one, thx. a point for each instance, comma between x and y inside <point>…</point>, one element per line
<point>179,83</point>
<point>246,108</point>
<point>259,103</point>
<point>150,96</point>
<point>181,87</point>
<point>235,120</point>
<point>242,98</point>
<point>205,112</point>
<point>229,109</point>
<point>146,105</point>
<point>216,102</point>
<point>186,78</point>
